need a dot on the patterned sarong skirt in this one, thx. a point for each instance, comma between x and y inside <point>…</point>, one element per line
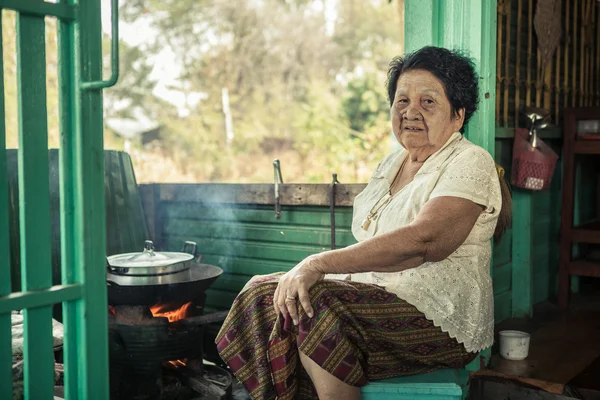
<point>359,333</point>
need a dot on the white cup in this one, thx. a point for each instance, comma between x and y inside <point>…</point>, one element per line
<point>514,345</point>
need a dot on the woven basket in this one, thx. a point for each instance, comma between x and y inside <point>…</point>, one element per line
<point>532,167</point>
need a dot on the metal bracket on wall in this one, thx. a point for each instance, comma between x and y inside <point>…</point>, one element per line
<point>334,182</point>
<point>278,180</point>
<point>114,62</point>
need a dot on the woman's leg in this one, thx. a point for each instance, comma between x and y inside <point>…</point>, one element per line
<point>359,333</point>
<point>328,386</point>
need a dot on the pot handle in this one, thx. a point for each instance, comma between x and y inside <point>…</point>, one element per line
<point>115,270</point>
<point>194,248</point>
<point>109,268</point>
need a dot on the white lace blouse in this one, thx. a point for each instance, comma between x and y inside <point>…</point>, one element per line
<point>456,293</point>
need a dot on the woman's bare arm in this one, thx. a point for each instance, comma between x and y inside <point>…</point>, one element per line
<point>439,229</point>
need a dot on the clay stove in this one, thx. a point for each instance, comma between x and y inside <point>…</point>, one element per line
<point>156,353</point>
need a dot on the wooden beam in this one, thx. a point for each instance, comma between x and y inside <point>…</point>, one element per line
<point>584,268</point>
<point>290,194</point>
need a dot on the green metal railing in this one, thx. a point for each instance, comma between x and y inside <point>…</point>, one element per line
<point>83,287</point>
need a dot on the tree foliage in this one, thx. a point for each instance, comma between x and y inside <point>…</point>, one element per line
<point>305,80</point>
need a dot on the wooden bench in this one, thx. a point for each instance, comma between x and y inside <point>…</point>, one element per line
<point>444,384</point>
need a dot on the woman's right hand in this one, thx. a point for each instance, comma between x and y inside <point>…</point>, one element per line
<point>294,286</point>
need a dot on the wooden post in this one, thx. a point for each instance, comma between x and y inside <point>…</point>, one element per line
<point>529,85</point>
<point>590,52</point>
<point>507,61</point>
<point>499,32</point>
<point>557,92</point>
<point>597,67</point>
<point>566,59</point>
<point>34,204</point>
<point>547,85</point>
<point>522,294</point>
<point>567,209</point>
<point>482,127</point>
<point>583,55</point>
<point>518,63</point>
<point>574,72</point>
<point>6,387</point>
<point>539,82</point>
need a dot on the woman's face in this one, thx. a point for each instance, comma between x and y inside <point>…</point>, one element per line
<point>422,120</point>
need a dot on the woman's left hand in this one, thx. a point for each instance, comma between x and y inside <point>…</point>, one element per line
<point>294,285</point>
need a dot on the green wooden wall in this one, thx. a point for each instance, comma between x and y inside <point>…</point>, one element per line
<point>246,240</point>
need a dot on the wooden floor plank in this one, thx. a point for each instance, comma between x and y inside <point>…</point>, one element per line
<point>563,344</point>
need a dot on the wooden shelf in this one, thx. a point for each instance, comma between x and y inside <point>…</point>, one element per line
<point>587,233</point>
<point>586,147</point>
<point>584,268</point>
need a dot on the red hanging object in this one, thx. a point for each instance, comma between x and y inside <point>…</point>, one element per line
<point>533,164</point>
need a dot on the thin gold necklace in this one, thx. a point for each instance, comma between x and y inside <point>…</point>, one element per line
<point>377,207</point>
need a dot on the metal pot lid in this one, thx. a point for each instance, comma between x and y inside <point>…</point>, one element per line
<point>150,262</point>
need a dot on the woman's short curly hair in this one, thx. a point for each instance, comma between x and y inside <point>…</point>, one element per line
<point>455,70</point>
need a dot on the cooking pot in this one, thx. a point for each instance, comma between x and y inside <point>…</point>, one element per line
<point>152,277</point>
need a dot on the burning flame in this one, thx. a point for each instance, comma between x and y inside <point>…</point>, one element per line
<point>173,315</point>
<point>177,363</point>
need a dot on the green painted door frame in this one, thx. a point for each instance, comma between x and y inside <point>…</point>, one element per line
<point>470,25</point>
<point>82,211</point>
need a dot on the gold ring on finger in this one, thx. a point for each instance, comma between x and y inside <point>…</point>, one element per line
<point>290,298</point>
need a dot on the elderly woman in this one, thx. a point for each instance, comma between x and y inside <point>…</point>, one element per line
<point>414,294</point>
